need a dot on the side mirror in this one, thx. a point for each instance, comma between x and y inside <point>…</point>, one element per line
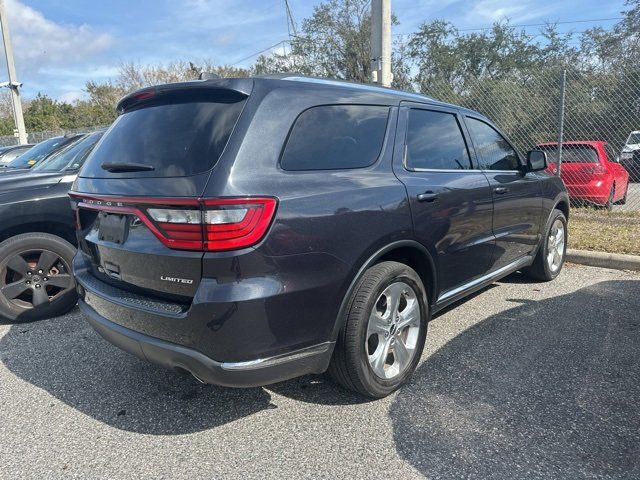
<point>536,160</point>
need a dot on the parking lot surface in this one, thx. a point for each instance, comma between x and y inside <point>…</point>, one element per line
<point>633,199</point>
<point>524,380</point>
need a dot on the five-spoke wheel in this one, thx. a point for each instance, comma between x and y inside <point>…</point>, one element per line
<point>35,276</point>
<point>556,245</point>
<point>392,332</point>
<point>384,330</point>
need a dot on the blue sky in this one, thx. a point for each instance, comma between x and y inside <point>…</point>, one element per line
<point>60,44</point>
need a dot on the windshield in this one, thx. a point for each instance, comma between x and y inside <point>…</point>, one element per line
<point>633,138</point>
<point>32,156</point>
<point>70,158</point>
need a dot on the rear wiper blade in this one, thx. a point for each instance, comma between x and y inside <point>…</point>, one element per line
<point>125,167</point>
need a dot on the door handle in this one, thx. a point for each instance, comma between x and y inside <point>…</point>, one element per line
<point>501,190</point>
<point>428,196</point>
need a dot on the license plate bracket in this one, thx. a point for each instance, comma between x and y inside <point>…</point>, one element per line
<point>113,228</point>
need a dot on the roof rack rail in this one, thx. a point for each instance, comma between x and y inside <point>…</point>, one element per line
<point>208,76</point>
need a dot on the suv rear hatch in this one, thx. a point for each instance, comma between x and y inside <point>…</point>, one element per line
<point>142,224</point>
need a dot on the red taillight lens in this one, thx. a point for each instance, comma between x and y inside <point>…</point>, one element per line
<point>197,224</point>
<point>236,223</point>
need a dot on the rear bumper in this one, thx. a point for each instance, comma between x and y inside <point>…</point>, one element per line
<point>596,191</point>
<point>250,332</point>
<point>230,374</point>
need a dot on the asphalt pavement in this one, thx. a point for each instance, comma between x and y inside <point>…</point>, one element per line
<point>633,199</point>
<point>523,380</point>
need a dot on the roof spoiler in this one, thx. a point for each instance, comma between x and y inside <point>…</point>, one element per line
<point>239,86</point>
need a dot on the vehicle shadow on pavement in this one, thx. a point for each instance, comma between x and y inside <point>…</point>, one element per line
<point>549,388</point>
<point>65,357</point>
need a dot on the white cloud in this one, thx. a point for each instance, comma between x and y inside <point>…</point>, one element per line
<point>72,96</point>
<point>497,10</point>
<point>39,42</point>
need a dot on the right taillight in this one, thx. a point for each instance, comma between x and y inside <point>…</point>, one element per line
<point>198,224</point>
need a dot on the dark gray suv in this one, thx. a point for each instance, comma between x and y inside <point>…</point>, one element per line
<point>252,230</point>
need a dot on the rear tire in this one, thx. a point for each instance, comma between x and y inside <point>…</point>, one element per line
<point>383,335</point>
<point>623,200</point>
<point>545,267</point>
<point>21,259</point>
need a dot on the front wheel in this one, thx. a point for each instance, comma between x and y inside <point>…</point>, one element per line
<point>550,257</point>
<point>383,336</point>
<point>35,277</point>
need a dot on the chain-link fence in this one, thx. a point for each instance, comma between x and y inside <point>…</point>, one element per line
<point>36,137</point>
<point>598,128</point>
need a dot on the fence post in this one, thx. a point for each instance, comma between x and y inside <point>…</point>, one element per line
<point>563,85</point>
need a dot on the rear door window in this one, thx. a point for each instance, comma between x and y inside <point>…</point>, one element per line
<point>180,136</point>
<point>435,142</point>
<point>331,137</point>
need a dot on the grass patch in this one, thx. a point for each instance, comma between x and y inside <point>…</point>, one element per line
<point>613,232</point>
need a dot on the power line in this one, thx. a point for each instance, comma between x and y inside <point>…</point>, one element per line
<point>258,53</point>
<point>291,23</point>
<point>525,25</point>
<point>545,24</point>
<point>567,22</point>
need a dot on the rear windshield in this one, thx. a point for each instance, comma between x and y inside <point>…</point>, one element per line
<point>184,137</point>
<point>572,153</point>
<point>41,151</point>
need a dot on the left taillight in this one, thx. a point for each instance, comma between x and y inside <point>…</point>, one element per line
<point>229,224</point>
<point>203,224</point>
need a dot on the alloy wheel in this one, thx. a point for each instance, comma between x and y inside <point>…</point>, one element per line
<point>34,278</point>
<point>393,330</point>
<point>556,245</point>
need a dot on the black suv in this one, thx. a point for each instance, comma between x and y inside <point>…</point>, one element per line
<point>37,234</point>
<point>253,230</point>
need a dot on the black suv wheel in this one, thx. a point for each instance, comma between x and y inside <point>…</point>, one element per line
<point>383,336</point>
<point>35,277</point>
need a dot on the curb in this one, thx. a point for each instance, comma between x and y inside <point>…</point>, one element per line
<point>602,259</point>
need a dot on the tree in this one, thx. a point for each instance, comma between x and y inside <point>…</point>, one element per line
<point>334,42</point>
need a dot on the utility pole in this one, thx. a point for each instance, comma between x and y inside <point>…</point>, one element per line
<point>291,23</point>
<point>381,42</point>
<point>13,83</point>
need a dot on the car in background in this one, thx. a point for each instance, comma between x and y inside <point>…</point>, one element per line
<point>590,172</point>
<point>630,156</point>
<point>7,154</point>
<point>37,235</point>
<point>40,152</point>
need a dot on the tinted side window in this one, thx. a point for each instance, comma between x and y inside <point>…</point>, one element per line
<point>493,150</point>
<point>435,141</point>
<point>336,137</point>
